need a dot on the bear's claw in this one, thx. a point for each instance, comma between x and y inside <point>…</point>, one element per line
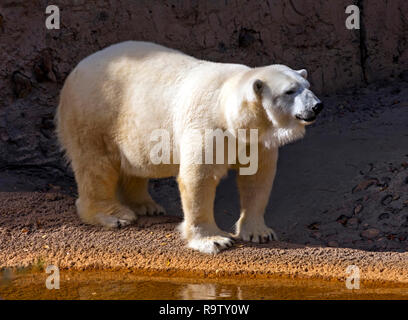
<point>256,233</point>
<point>113,222</point>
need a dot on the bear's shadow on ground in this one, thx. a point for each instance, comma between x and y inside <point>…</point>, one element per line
<point>165,192</point>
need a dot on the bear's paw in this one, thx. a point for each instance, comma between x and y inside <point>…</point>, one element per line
<point>210,245</point>
<point>255,232</point>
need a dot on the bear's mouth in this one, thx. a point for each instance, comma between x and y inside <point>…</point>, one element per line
<point>311,119</point>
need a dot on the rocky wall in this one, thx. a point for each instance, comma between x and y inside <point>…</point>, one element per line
<point>307,34</point>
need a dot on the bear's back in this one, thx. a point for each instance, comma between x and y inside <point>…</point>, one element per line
<point>131,54</point>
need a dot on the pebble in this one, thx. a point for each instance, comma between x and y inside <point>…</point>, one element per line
<point>314,226</point>
<point>51,197</point>
<point>363,185</point>
<point>352,221</point>
<point>358,208</point>
<point>383,216</point>
<point>386,200</point>
<point>333,244</point>
<point>342,219</point>
<point>370,233</point>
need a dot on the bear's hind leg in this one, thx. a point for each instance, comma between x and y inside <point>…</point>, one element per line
<point>97,202</point>
<point>133,191</point>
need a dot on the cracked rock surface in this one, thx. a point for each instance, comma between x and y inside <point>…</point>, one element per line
<point>302,34</point>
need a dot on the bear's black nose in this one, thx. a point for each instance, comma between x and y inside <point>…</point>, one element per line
<point>317,108</point>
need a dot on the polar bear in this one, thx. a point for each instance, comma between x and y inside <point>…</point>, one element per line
<point>115,98</point>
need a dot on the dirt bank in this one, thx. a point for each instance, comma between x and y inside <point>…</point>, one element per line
<point>43,228</point>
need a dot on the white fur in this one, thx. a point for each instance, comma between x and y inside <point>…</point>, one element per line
<point>114,99</point>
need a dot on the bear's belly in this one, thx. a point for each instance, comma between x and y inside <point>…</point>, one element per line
<point>144,168</point>
<point>155,171</point>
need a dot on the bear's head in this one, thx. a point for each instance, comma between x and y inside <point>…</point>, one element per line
<point>277,101</point>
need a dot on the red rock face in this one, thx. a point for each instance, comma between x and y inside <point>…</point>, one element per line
<point>386,38</point>
<point>307,34</point>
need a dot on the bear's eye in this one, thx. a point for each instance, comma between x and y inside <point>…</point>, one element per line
<point>289,92</point>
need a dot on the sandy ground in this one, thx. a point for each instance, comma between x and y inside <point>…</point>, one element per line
<point>340,198</point>
<point>43,228</point>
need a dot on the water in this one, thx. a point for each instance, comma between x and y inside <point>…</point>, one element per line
<point>120,285</point>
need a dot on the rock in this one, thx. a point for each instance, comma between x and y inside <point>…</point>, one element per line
<point>363,185</point>
<point>358,208</point>
<point>43,69</point>
<point>342,219</point>
<point>383,216</point>
<point>51,197</point>
<point>370,233</point>
<point>51,76</point>
<point>352,222</point>
<point>333,243</point>
<point>313,226</point>
<point>386,200</point>
<point>22,84</point>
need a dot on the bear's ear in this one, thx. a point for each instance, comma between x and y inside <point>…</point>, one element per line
<point>302,72</point>
<point>258,86</point>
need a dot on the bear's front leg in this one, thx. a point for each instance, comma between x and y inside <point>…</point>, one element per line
<point>197,184</point>
<point>254,193</point>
